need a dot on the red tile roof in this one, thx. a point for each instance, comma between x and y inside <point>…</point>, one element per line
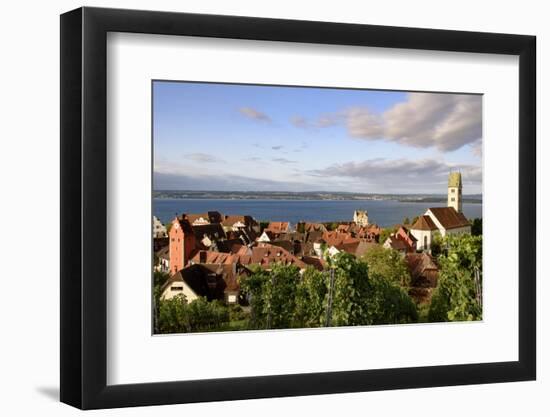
<point>449,217</point>
<point>277,227</point>
<point>424,223</point>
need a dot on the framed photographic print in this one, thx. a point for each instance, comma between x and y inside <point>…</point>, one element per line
<point>342,207</point>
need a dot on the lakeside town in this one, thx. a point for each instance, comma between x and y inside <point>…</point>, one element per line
<point>219,272</point>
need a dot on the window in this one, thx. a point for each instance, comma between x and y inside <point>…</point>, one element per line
<point>452,190</point>
<point>452,199</point>
<point>425,242</point>
<point>176,288</point>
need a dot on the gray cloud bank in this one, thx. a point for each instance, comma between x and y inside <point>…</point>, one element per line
<point>418,175</point>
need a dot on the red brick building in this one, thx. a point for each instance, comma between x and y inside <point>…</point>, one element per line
<point>182,244</point>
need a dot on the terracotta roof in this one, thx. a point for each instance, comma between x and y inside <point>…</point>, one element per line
<point>315,262</point>
<point>424,223</point>
<point>277,227</point>
<point>211,217</point>
<point>423,269</point>
<point>336,238</point>
<point>184,224</point>
<point>314,227</point>
<point>231,220</point>
<point>397,244</point>
<point>357,247</point>
<point>314,236</point>
<point>449,217</point>
<point>269,254</point>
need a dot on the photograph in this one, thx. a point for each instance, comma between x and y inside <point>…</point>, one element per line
<point>292,207</point>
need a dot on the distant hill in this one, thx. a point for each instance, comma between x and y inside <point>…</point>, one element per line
<point>317,195</point>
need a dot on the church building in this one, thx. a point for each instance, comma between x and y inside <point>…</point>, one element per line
<point>442,220</point>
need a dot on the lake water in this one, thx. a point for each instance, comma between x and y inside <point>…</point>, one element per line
<point>382,212</point>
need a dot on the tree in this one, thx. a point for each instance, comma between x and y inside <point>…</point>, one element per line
<point>363,298</point>
<point>284,298</point>
<point>388,264</point>
<point>271,295</point>
<point>176,315</point>
<point>311,292</point>
<point>406,220</point>
<point>457,296</point>
<point>436,245</point>
<point>477,226</point>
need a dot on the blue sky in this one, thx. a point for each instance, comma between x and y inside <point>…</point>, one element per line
<point>263,138</point>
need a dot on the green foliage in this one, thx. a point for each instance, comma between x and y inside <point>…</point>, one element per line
<point>331,226</point>
<point>236,313</point>
<point>263,225</point>
<point>282,298</point>
<point>477,226</point>
<point>406,220</point>
<point>437,245</point>
<point>178,316</point>
<point>455,297</point>
<point>363,299</point>
<point>311,292</point>
<point>413,221</point>
<point>301,227</point>
<point>279,296</point>
<point>388,264</point>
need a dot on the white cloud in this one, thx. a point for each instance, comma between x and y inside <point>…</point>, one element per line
<point>254,114</point>
<point>444,121</point>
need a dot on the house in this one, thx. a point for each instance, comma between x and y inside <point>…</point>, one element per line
<point>278,227</point>
<point>423,269</point>
<point>356,247</point>
<point>424,273</point>
<point>449,221</point>
<point>182,243</point>
<point>405,234</point>
<point>162,260</point>
<point>315,262</point>
<point>204,218</point>
<point>160,242</point>
<point>212,281</point>
<point>159,231</point>
<point>398,244</point>
<point>312,227</point>
<point>402,241</point>
<point>208,233</point>
<point>237,223</point>
<point>267,254</point>
<point>439,221</point>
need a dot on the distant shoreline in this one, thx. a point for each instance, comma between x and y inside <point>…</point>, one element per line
<point>309,196</point>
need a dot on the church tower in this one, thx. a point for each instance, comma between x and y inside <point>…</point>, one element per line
<point>454,193</point>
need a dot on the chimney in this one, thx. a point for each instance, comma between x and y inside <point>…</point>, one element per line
<point>202,256</point>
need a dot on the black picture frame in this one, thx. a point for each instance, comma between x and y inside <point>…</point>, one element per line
<point>84,207</point>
